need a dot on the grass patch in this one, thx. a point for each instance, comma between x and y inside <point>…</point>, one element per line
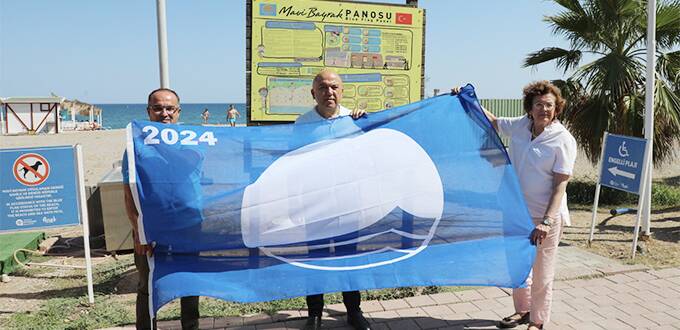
<point>72,313</point>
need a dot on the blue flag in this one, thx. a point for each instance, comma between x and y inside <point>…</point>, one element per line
<point>423,194</point>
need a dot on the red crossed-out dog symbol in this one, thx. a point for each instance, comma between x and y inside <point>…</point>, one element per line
<point>31,169</point>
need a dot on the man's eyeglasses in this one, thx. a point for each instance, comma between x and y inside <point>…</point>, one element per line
<point>171,109</point>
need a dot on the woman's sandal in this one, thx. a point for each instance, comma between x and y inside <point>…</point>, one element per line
<point>535,326</point>
<point>514,320</point>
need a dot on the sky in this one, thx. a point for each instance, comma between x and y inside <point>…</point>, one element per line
<point>106,51</point>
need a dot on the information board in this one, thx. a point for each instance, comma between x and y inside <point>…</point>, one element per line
<point>622,162</point>
<point>38,188</point>
<point>376,48</point>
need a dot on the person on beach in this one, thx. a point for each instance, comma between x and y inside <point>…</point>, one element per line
<point>163,107</point>
<point>205,116</point>
<point>543,153</point>
<point>232,114</point>
<point>327,91</point>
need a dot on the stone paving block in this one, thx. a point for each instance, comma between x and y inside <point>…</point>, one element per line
<point>384,316</point>
<point>580,303</point>
<point>257,319</point>
<point>674,312</point>
<point>393,304</point>
<point>660,318</point>
<point>632,309</point>
<point>505,301</point>
<point>430,323</point>
<point>561,306</point>
<point>492,292</point>
<point>485,316</point>
<point>371,306</point>
<point>612,269</point>
<point>675,280</point>
<point>577,283</point>
<point>334,321</point>
<point>561,295</point>
<point>640,285</point>
<point>469,295</point>
<point>402,325</point>
<point>463,307</point>
<point>337,309</point>
<point>642,276</point>
<point>434,311</point>
<point>281,316</point>
<point>625,298</point>
<point>668,293</point>
<point>610,312</point>
<point>170,325</point>
<point>226,322</point>
<point>586,315</point>
<point>411,312</point>
<point>488,304</point>
<point>613,324</point>
<point>271,326</point>
<point>595,282</point>
<point>618,288</point>
<point>600,290</point>
<point>454,318</point>
<point>379,326</point>
<point>562,318</point>
<point>602,300</point>
<point>558,285</point>
<point>662,283</point>
<point>295,324</point>
<point>587,326</point>
<point>637,322</point>
<point>645,295</point>
<point>252,327</point>
<point>419,301</point>
<point>206,323</point>
<point>578,292</point>
<point>444,298</point>
<point>673,303</point>
<point>658,306</point>
<point>454,327</point>
<point>666,272</point>
<point>575,272</point>
<point>620,278</point>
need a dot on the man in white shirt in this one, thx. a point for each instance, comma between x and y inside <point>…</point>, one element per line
<point>327,91</point>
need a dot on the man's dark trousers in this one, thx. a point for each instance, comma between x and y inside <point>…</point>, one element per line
<point>189,305</point>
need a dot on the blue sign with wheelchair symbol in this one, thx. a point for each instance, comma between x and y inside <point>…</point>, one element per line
<point>622,162</point>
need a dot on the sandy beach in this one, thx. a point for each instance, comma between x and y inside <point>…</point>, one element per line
<point>101,149</point>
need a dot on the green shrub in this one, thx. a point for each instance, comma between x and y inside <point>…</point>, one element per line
<point>583,192</point>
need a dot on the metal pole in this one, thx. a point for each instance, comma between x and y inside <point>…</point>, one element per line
<point>85,223</point>
<point>649,111</point>
<point>596,200</point>
<point>162,43</point>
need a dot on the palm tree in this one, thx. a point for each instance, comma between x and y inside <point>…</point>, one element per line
<point>607,94</point>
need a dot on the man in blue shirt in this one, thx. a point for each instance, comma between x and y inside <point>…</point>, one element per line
<point>327,91</point>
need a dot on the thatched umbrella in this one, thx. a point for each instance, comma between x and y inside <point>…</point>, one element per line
<point>83,109</point>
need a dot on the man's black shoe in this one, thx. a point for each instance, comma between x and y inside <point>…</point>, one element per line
<point>358,321</point>
<point>313,323</point>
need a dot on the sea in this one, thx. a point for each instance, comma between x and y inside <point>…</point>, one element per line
<point>119,115</point>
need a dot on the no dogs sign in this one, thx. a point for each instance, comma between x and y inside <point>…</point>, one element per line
<point>31,169</point>
<point>38,188</point>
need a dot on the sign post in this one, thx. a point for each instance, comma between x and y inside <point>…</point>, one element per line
<point>623,166</point>
<point>45,189</point>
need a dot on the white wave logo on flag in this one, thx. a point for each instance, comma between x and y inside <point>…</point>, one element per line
<point>336,187</point>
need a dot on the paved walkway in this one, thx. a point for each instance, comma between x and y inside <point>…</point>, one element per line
<point>592,292</point>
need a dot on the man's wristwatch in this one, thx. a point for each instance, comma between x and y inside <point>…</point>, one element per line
<point>547,221</point>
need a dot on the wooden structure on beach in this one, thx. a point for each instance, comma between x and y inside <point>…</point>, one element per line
<point>30,115</point>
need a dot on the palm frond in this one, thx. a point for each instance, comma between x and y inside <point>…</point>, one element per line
<point>564,59</point>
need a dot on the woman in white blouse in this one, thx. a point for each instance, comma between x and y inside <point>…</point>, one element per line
<point>543,153</point>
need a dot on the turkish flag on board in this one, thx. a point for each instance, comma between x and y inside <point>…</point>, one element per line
<point>403,18</point>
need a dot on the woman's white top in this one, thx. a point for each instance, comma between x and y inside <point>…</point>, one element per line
<point>553,151</point>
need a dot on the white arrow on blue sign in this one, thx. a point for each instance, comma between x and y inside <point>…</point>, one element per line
<point>622,162</point>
